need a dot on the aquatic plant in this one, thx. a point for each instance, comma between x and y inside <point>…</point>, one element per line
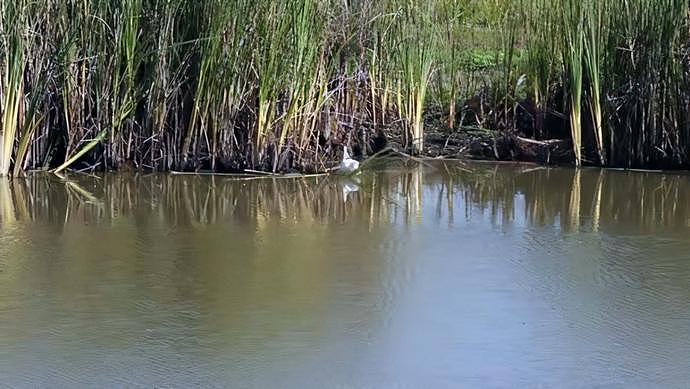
<point>414,55</point>
<point>573,52</point>
<point>220,84</point>
<point>280,86</point>
<point>624,65</point>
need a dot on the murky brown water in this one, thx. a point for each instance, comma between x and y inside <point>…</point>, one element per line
<point>439,276</point>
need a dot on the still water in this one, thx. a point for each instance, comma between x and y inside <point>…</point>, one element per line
<point>443,275</point>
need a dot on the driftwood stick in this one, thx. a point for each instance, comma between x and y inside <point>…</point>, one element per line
<point>179,173</point>
<point>260,172</point>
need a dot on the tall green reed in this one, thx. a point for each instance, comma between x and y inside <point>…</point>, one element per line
<point>278,86</point>
<point>574,50</point>
<point>415,60</point>
<point>623,65</point>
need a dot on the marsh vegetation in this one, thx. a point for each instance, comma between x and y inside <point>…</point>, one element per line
<point>282,86</point>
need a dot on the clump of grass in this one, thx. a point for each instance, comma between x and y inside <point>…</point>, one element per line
<point>169,84</point>
<point>280,86</point>
<point>415,59</point>
<point>12,85</point>
<point>593,20</point>
<point>623,64</point>
<point>574,49</point>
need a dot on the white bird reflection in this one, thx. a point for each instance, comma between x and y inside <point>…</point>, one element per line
<point>349,186</point>
<point>348,165</point>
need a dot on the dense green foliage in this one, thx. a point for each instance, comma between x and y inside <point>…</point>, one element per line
<point>623,68</point>
<point>224,84</point>
<point>281,85</point>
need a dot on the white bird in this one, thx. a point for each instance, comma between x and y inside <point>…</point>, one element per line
<point>348,165</point>
<point>349,187</point>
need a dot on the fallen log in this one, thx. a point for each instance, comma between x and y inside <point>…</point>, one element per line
<point>544,151</point>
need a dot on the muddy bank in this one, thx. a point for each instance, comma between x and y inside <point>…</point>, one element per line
<point>527,137</point>
<point>470,143</point>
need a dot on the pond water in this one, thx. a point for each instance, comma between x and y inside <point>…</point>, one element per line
<point>441,275</point>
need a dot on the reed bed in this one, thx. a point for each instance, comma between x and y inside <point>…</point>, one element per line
<point>620,69</point>
<point>221,84</point>
<point>282,86</point>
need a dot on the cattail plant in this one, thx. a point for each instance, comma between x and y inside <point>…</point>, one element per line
<point>573,51</point>
<point>283,85</point>
<point>415,59</point>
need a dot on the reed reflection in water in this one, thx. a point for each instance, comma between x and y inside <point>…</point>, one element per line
<point>443,274</point>
<point>568,198</point>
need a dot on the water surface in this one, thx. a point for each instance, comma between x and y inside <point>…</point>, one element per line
<point>446,275</point>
